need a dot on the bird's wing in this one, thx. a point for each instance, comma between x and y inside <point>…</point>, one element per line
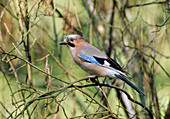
<point>106,62</point>
<point>113,64</point>
<point>89,59</point>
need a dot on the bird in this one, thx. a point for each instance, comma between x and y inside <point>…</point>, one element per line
<point>94,61</point>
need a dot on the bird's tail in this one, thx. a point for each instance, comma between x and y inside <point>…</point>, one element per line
<point>130,84</point>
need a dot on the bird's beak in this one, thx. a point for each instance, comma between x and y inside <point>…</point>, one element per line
<point>63,43</point>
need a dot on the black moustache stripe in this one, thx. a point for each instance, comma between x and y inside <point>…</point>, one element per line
<point>71,44</point>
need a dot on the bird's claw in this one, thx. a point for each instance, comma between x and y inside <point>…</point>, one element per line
<point>91,78</point>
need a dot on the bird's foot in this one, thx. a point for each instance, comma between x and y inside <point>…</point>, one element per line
<point>91,78</point>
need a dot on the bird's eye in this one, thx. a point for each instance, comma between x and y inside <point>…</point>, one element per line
<point>72,40</point>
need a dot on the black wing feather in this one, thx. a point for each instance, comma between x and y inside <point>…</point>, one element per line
<point>115,64</point>
<point>112,63</point>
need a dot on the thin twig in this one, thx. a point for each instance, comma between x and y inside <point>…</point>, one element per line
<point>145,4</point>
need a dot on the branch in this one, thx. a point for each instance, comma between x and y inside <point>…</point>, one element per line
<point>111,28</point>
<point>27,62</point>
<point>145,4</point>
<point>129,97</point>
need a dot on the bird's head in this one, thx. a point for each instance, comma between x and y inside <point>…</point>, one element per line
<point>72,41</point>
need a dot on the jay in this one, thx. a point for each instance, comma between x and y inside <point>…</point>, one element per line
<point>94,61</point>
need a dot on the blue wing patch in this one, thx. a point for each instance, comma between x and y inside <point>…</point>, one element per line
<point>90,59</point>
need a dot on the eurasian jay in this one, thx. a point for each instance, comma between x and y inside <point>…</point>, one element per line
<point>94,61</point>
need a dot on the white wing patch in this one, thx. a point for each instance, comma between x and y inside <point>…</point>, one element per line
<point>107,64</point>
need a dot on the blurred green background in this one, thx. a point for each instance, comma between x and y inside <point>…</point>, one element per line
<point>134,33</point>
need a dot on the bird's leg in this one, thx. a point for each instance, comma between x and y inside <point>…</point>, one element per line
<point>91,78</point>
